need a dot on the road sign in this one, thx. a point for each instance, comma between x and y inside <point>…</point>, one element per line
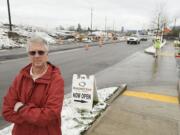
<point>84,92</point>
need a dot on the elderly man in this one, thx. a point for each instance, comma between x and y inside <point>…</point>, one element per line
<point>34,100</point>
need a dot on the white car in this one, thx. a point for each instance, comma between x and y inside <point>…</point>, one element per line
<point>86,40</point>
<point>144,38</point>
<point>7,46</point>
<point>134,39</point>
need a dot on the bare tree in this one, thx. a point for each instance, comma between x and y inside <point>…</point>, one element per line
<point>160,19</point>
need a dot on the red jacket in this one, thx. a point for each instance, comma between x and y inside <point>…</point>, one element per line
<point>43,101</point>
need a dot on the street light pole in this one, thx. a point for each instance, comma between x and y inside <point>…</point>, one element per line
<point>91,19</point>
<point>105,26</point>
<point>114,26</point>
<point>157,34</point>
<point>9,14</point>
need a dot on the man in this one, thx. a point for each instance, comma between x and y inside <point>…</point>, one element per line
<point>34,100</point>
<point>157,46</point>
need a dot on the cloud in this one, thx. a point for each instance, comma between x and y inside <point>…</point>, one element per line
<point>129,13</point>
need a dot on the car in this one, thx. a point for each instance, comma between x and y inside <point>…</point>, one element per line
<point>133,39</point>
<point>143,38</point>
<point>7,46</point>
<point>69,37</point>
<point>86,40</point>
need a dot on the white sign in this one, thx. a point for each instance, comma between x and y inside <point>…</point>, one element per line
<point>84,91</point>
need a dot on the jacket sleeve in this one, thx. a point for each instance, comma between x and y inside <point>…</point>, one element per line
<point>10,99</point>
<point>51,111</point>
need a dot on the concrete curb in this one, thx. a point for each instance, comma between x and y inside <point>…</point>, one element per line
<point>150,51</point>
<point>120,90</point>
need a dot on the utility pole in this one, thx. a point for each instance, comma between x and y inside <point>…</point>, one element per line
<point>174,24</point>
<point>114,26</point>
<point>105,26</point>
<point>163,28</point>
<point>91,18</point>
<point>9,14</point>
<point>157,34</point>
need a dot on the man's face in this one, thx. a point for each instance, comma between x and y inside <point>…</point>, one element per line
<point>38,55</point>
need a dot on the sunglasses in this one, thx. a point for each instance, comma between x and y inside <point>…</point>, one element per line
<point>33,53</point>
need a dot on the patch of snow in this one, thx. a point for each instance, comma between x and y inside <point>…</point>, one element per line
<point>150,49</point>
<point>6,43</point>
<point>46,37</point>
<point>75,121</point>
<point>7,130</point>
<point>22,33</point>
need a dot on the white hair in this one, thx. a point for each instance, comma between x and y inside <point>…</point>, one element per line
<point>37,39</point>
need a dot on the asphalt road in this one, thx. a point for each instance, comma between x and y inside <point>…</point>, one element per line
<point>79,61</point>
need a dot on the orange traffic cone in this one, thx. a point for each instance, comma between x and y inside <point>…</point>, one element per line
<point>86,47</point>
<point>60,41</point>
<point>100,44</point>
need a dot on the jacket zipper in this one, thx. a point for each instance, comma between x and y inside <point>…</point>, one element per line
<point>31,92</point>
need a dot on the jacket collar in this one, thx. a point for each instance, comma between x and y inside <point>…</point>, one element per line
<point>43,79</point>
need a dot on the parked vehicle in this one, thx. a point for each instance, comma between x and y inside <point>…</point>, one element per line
<point>7,46</point>
<point>86,40</point>
<point>69,37</point>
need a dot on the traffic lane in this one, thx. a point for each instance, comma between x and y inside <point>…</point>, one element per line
<point>16,53</point>
<point>94,60</point>
<point>52,47</point>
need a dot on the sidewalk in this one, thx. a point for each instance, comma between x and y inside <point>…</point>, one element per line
<point>150,105</point>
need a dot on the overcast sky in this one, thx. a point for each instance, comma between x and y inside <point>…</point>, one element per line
<point>131,14</point>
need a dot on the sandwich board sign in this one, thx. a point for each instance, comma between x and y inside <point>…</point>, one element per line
<point>84,91</point>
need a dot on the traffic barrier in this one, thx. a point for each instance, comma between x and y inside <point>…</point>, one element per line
<point>87,47</point>
<point>61,41</point>
<point>101,42</point>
